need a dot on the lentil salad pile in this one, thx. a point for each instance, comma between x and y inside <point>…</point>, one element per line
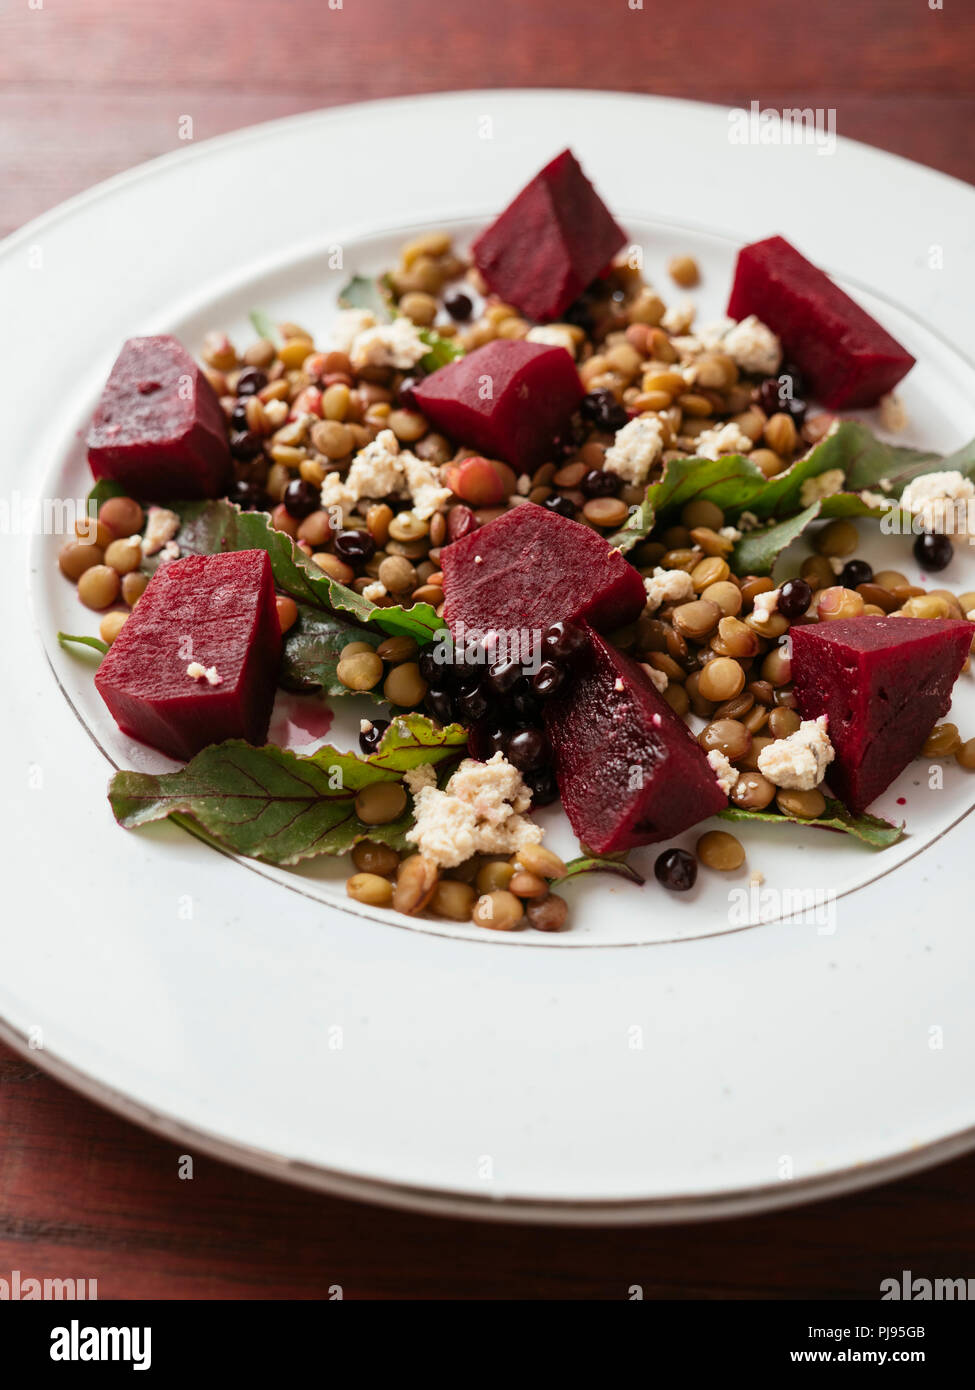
<point>301,415</point>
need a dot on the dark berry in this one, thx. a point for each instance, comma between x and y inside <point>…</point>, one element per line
<point>933,551</point>
<point>524,701</point>
<point>244,444</point>
<point>527,749</point>
<point>430,667</point>
<point>503,676</point>
<point>369,738</point>
<point>564,641</point>
<point>603,410</point>
<point>472,703</point>
<point>599,482</point>
<point>461,521</point>
<point>676,870</point>
<point>250,381</point>
<point>544,788</point>
<point>238,417</point>
<point>547,679</point>
<point>354,547</point>
<point>855,572</point>
<point>250,496</point>
<point>301,499</point>
<point>795,597</point>
<point>779,395</point>
<point>562,506</point>
<point>459,305</point>
<point>440,703</point>
<point>580,314</point>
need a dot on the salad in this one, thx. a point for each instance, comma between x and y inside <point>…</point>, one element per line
<point>526,509</point>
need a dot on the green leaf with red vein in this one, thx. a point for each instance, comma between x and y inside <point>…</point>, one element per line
<point>277,806</point>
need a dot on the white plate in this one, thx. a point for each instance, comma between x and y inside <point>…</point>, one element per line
<point>705,1069</point>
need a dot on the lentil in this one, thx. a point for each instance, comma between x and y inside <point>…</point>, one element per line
<point>333,567</point>
<point>452,899</point>
<point>287,612</point>
<point>371,857</point>
<point>361,671</point>
<point>370,888</point>
<point>752,791</point>
<point>548,913</point>
<point>499,910</point>
<point>526,885</point>
<point>98,587</point>
<point>804,805</point>
<point>721,679</point>
<point>837,538</point>
<point>942,741</point>
<point>716,849</point>
<point>75,557</point>
<point>416,882</point>
<point>727,736</point>
<point>404,685</point>
<point>684,271</point>
<point>134,585</point>
<point>380,802</point>
<point>122,515</point>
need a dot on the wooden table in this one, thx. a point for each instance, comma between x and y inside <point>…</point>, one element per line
<point>94,87</point>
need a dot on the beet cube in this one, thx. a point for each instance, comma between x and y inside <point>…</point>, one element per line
<point>630,771</point>
<point>159,430</point>
<point>550,243</point>
<point>219,611</point>
<point>882,682</point>
<point>531,568</point>
<point>848,359</point>
<point>510,399</point>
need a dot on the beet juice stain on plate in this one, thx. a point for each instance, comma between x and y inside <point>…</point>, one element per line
<point>297,722</point>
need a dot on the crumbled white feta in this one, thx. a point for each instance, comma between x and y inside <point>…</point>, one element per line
<point>635,449</point>
<point>397,344</point>
<point>823,485</point>
<point>756,878</point>
<point>723,439</point>
<point>679,317</point>
<point>618,684</point>
<point>479,559</point>
<point>748,521</point>
<point>375,592</point>
<point>893,416</point>
<point>161,527</point>
<point>688,347</point>
<point>419,777</point>
<point>874,499</point>
<point>730,533</point>
<point>836,564</point>
<point>524,484</point>
<point>667,586</point>
<point>713,333</point>
<point>197,671</point>
<point>799,761</point>
<point>346,327</point>
<point>170,551</point>
<point>480,811</point>
<point>765,604</point>
<point>554,335</point>
<point>723,770</point>
<point>970,615</point>
<point>365,726</point>
<point>424,486</point>
<point>753,347</point>
<point>941,500</point>
<point>658,679</point>
<point>383,469</point>
<point>276,412</point>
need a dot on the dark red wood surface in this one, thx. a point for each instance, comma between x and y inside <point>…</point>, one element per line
<point>95,86</point>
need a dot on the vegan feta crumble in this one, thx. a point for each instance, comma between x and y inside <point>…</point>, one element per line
<point>554,335</point>
<point>823,485</point>
<point>799,762</point>
<point>383,469</point>
<point>940,501</point>
<point>375,593</point>
<point>161,527</point>
<point>198,672</point>
<point>753,347</point>
<point>636,448</point>
<point>480,811</point>
<point>725,439</point>
<point>766,604</point>
<point>397,344</point>
<point>667,586</point>
<point>726,773</point>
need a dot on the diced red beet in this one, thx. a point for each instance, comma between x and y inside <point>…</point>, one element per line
<point>159,430</point>
<point>550,243</point>
<point>848,359</point>
<point>883,683</point>
<point>531,568</point>
<point>219,611</point>
<point>630,771</point>
<point>510,399</point>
